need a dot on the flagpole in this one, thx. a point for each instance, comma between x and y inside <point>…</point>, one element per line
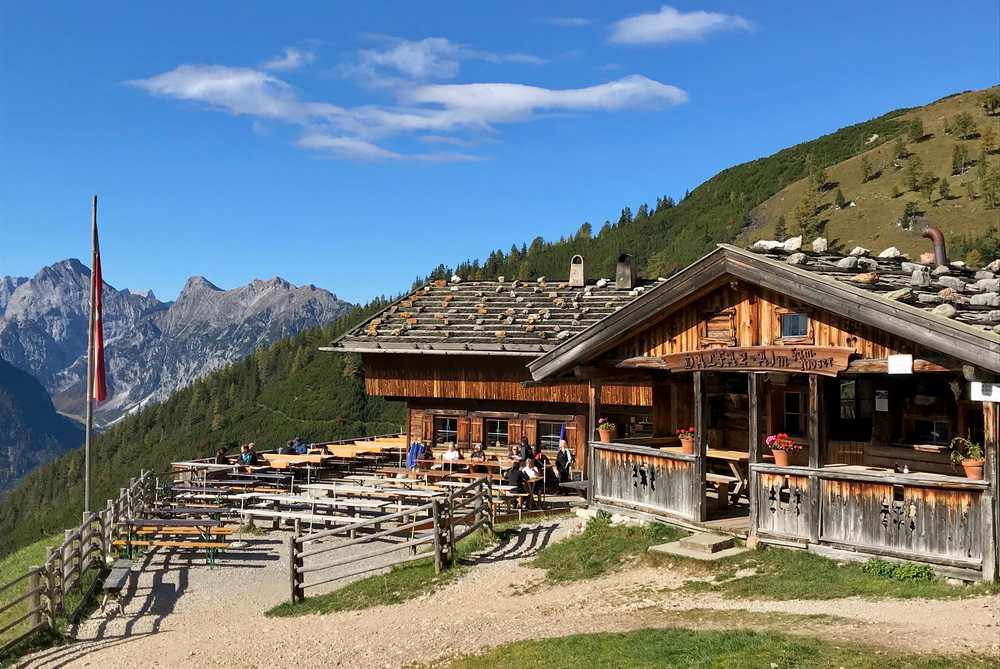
<point>90,367</point>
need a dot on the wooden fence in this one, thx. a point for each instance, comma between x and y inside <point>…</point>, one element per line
<point>439,524</point>
<point>54,591</point>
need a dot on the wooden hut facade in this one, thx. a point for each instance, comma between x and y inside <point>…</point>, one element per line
<point>853,357</point>
<point>871,365</point>
<point>457,352</point>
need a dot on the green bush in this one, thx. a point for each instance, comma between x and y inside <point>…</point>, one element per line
<point>902,571</point>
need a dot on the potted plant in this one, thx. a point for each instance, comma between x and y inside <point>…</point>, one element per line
<point>782,446</point>
<point>686,435</point>
<point>607,430</point>
<point>970,455</point>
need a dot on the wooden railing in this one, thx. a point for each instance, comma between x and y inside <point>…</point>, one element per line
<point>55,591</point>
<point>645,479</point>
<point>440,524</point>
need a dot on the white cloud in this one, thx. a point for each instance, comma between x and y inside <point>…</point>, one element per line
<point>431,58</point>
<point>498,103</point>
<point>566,21</point>
<point>292,59</point>
<point>672,25</point>
<point>428,112</point>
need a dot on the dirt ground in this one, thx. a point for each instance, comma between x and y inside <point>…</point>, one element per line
<point>180,613</point>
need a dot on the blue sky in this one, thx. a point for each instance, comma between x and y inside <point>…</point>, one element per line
<point>357,145</point>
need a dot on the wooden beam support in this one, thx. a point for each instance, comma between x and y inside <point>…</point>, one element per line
<point>593,411</point>
<point>700,447</point>
<point>814,428</point>
<point>757,397</point>
<point>991,447</point>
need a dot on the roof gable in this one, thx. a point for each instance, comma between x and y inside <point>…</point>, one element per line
<point>876,300</point>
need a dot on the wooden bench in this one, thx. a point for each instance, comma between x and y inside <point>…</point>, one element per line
<point>115,582</point>
<point>171,543</point>
<point>723,486</point>
<point>297,515</point>
<point>185,531</point>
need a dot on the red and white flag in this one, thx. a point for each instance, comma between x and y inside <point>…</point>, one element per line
<point>100,381</point>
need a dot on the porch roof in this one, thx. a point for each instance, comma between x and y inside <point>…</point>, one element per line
<point>880,292</point>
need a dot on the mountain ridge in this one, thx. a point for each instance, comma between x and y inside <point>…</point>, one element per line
<point>152,347</point>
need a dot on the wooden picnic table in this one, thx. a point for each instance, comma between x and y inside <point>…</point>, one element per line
<point>174,522</point>
<point>188,511</point>
<point>738,463</point>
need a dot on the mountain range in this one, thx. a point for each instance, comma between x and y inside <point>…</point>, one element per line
<point>152,347</point>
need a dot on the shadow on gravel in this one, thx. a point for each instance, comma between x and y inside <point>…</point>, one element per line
<point>60,656</point>
<point>523,542</point>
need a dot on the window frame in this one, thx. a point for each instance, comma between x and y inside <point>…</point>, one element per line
<point>801,413</point>
<point>488,435</point>
<point>546,441</point>
<point>806,338</point>
<point>439,431</point>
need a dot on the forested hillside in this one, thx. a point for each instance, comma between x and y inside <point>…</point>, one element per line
<point>666,236</point>
<point>283,390</point>
<point>31,432</point>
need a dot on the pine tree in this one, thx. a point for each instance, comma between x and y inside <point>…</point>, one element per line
<point>927,188</point>
<point>867,171</point>
<point>959,158</point>
<point>899,151</point>
<point>990,187</point>
<point>944,188</point>
<point>916,130</point>
<point>970,190</point>
<point>981,168</point>
<point>910,212</point>
<point>626,217</point>
<point>964,125</point>
<point>914,175</point>
<point>584,232</point>
<point>839,200</point>
<point>780,233</point>
<point>989,138</point>
<point>816,174</point>
<point>806,218</point>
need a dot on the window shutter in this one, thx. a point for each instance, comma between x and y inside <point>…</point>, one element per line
<point>530,428</point>
<point>476,430</point>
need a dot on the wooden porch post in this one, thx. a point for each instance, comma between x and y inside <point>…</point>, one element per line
<point>815,434</point>
<point>594,397</point>
<point>757,426</point>
<point>700,448</point>
<point>991,448</point>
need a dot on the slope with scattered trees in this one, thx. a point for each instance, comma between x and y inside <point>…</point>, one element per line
<point>944,166</point>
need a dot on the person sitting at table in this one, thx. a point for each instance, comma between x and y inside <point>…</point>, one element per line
<point>542,463</point>
<point>452,453</point>
<point>254,458</point>
<point>220,457</point>
<point>516,479</point>
<point>531,470</point>
<point>525,449</point>
<point>287,449</point>
<point>246,458</point>
<point>299,446</point>
<point>564,461</point>
<point>477,454</point>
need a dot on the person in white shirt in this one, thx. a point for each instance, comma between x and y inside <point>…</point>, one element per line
<point>452,453</point>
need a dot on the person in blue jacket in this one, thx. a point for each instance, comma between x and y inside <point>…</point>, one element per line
<point>416,450</point>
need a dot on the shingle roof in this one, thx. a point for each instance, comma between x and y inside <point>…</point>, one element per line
<point>506,317</point>
<point>969,296</point>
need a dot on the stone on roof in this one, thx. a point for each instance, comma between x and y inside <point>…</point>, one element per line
<point>967,295</point>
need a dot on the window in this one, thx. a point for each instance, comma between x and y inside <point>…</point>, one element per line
<point>445,430</point>
<point>855,408</point>
<point>794,326</point>
<point>793,405</point>
<point>934,430</point>
<point>548,434</point>
<point>497,432</point>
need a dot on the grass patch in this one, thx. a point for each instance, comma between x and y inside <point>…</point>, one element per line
<point>600,548</point>
<point>687,649</point>
<point>777,573</point>
<point>15,565</point>
<point>399,584</point>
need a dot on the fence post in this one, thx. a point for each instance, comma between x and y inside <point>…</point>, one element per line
<point>489,503</point>
<point>83,545</point>
<point>108,531</point>
<point>436,515</point>
<point>294,562</point>
<point>50,583</point>
<point>35,599</point>
<point>451,526</point>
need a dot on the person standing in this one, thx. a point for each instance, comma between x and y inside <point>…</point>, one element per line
<point>564,461</point>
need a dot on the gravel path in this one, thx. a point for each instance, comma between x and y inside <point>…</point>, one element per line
<point>179,614</point>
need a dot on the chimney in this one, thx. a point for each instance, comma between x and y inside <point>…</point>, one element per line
<point>625,273</point>
<point>577,279</point>
<point>935,235</point>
